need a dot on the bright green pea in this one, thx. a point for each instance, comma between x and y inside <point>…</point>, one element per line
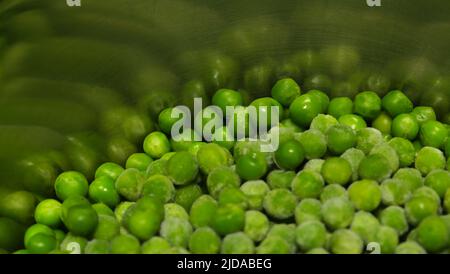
<point>384,149</point>
<point>227,97</point>
<point>367,104</point>
<point>387,237</point>
<point>365,195</point>
<point>139,161</point>
<point>336,171</point>
<point>409,247</point>
<point>395,192</point>
<point>333,191</point>
<point>405,126</point>
<point>374,167</point>
<point>237,243</point>
<point>429,159</point>
<point>204,240</point>
<point>71,183</point>
<point>103,190</point>
<point>365,225</point>
<point>304,108</point>
<point>322,97</point>
<point>156,145</point>
<point>273,245</point>
<point>97,246</point>
<point>176,231</point>
<point>428,192</point>
<point>144,218</point>
<point>41,243</point>
<point>340,138</point>
<point>263,107</point>
<point>121,209</point>
<point>184,140</point>
<point>344,241</point>
<point>129,184</point>
<point>156,245</point>
<point>256,225</point>
<point>81,220</point>
<point>432,234</point>
<point>176,211</point>
<point>203,211</point>
<point>35,230</point>
<point>337,213</point>
<point>255,191</point>
<point>411,177</point>
<point>233,196</point>
<point>308,210</point>
<point>439,180</point>
<point>220,178</point>
<point>285,91</point>
<point>354,121</point>
<point>108,227</point>
<point>314,165</point>
<point>307,184</point>
<point>383,123</point>
<point>433,134</point>
<point>48,213</point>
<point>405,151</point>
<point>70,202</point>
<point>424,114</point>
<point>280,179</point>
<point>367,139</point>
<point>396,102</point>
<point>280,203</point>
<point>314,143</point>
<point>211,156</point>
<point>228,219</point>
<point>125,244</point>
<point>252,167</point>
<point>159,187</point>
<point>395,217</point>
<point>340,106</point>
<point>354,157</point>
<point>182,168</point>
<point>289,156</point>
<point>157,167</point>
<point>323,122</point>
<point>111,170</point>
<point>186,195</point>
<point>311,234</point>
<point>418,208</point>
<point>166,121</point>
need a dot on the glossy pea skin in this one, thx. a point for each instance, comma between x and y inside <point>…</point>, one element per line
<point>340,138</point>
<point>304,108</point>
<point>265,108</point>
<point>144,218</point>
<point>280,203</point>
<point>251,167</point>
<point>81,220</point>
<point>418,208</point>
<point>290,155</point>
<point>156,145</point>
<point>109,169</point>
<point>367,104</point>
<point>405,126</point>
<point>165,120</point>
<point>405,151</point>
<point>322,97</point>
<point>354,121</point>
<point>423,114</point>
<point>383,123</point>
<point>365,195</point>
<point>41,243</point>
<point>340,106</point>
<point>439,180</point>
<point>71,183</point>
<point>396,102</point>
<point>433,134</point>
<point>433,234</point>
<point>429,159</point>
<point>285,91</point>
<point>228,219</point>
<point>211,156</point>
<point>139,161</point>
<point>103,190</point>
<point>48,213</point>
<point>227,97</point>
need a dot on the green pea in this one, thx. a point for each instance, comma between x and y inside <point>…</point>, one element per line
<point>184,140</point>
<point>322,97</point>
<point>285,91</point>
<point>157,167</point>
<point>129,184</point>
<point>428,192</point>
<point>395,217</point>
<point>203,211</point>
<point>255,191</point>
<point>251,167</point>
<point>237,243</point>
<point>111,170</point>
<point>220,178</point>
<point>340,138</point>
<point>323,122</point>
<point>139,161</point>
<point>186,195</point>
<point>35,230</point>
<point>365,195</point>
<point>336,171</point>
<point>108,227</point>
<point>337,213</point>
<point>228,219</point>
<point>263,107</point>
<point>280,203</point>
<point>97,247</point>
<point>405,151</point>
<point>311,234</point>
<point>439,180</point>
<point>387,237</point>
<point>273,245</point>
<point>121,209</point>
<point>182,168</point>
<point>144,218</point>
<point>41,243</point>
<point>384,149</point>
<point>289,156</point>
<point>227,97</point>
<point>103,190</point>
<point>156,145</point>
<point>433,234</point>
<point>354,157</point>
<point>333,191</point>
<point>344,241</point>
<point>411,177</point>
<point>81,220</point>
<point>285,231</point>
<point>256,225</point>
<point>125,244</point>
<point>367,104</point>
<point>429,159</point>
<point>280,179</point>
<point>365,225</point>
<point>314,165</point>
<point>159,187</point>
<point>319,250</point>
<point>166,121</point>
<point>101,208</point>
<point>314,143</point>
<point>204,240</point>
<point>304,108</point>
<point>367,139</point>
<point>175,210</point>
<point>340,106</point>
<point>424,114</point>
<point>409,247</point>
<point>176,231</point>
<point>211,156</point>
<point>70,202</point>
<point>224,138</point>
<point>48,213</point>
<point>433,134</point>
<point>307,184</point>
<point>405,126</point>
<point>374,167</point>
<point>156,245</point>
<point>71,183</point>
<point>354,121</point>
<point>396,102</point>
<point>308,210</point>
<point>383,123</point>
<point>418,208</point>
<point>118,149</point>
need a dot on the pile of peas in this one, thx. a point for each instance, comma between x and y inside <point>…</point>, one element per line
<point>346,173</point>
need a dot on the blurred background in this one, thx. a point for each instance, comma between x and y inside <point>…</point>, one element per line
<point>83,85</point>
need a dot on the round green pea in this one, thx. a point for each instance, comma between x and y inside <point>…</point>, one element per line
<point>256,225</point>
<point>204,240</point>
<point>144,218</point>
<point>273,245</point>
<point>227,97</point>
<point>237,243</point>
<point>433,234</point>
<point>41,243</point>
<point>111,170</point>
<point>176,231</point>
<point>313,142</point>
<point>81,220</point>
<point>285,91</point>
<point>367,139</point>
<point>396,102</point>
<point>156,145</point>
<point>289,156</point>
<point>211,156</point>
<point>365,225</point>
<point>410,177</point>
<point>166,121</point>
<point>129,184</point>
<point>304,108</point>
<point>337,213</point>
<point>336,171</point>
<point>323,122</point>
<point>374,167</point>
<point>409,247</point>
<point>307,184</point>
<point>139,161</point>
<point>418,208</point>
<point>280,203</point>
<point>125,244</point>
<point>103,190</point>
<point>424,114</point>
<point>228,219</point>
<point>405,126</point>
<point>156,245</point>
<point>367,104</point>
<point>308,210</point>
<point>395,217</point>
<point>71,183</point>
<point>340,106</point>
<point>322,97</point>
<point>311,234</point>
<point>439,180</point>
<point>159,187</point>
<point>333,191</point>
<point>48,213</point>
<point>388,239</point>
<point>405,151</point>
<point>255,191</point>
<point>344,241</point>
<point>280,179</point>
<point>252,167</point>
<point>186,195</point>
<point>433,134</point>
<point>340,138</point>
<point>354,121</point>
<point>365,195</point>
<point>108,227</point>
<point>220,178</point>
<point>429,159</point>
<point>383,123</point>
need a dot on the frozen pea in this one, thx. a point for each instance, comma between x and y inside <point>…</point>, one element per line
<point>204,240</point>
<point>337,213</point>
<point>256,225</point>
<point>333,191</point>
<point>317,251</point>
<point>231,195</point>
<point>395,217</point>
<point>409,247</point>
<point>405,151</point>
<point>387,237</point>
<point>429,159</point>
<point>308,210</point>
<point>237,243</point>
<point>314,143</point>
<point>410,176</point>
<point>280,203</point>
<point>439,181</point>
<point>273,245</point>
<point>285,231</point>
<point>365,194</point>
<point>176,211</point>
<point>307,184</point>
<point>314,165</point>
<point>387,151</point>
<point>280,179</point>
<point>344,241</point>
<point>365,225</point>
<point>354,157</point>
<point>395,192</point>
<point>202,211</point>
<point>255,191</point>
<point>323,122</point>
<point>176,231</point>
<point>97,246</point>
<point>311,234</point>
<point>155,245</point>
<point>367,139</point>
